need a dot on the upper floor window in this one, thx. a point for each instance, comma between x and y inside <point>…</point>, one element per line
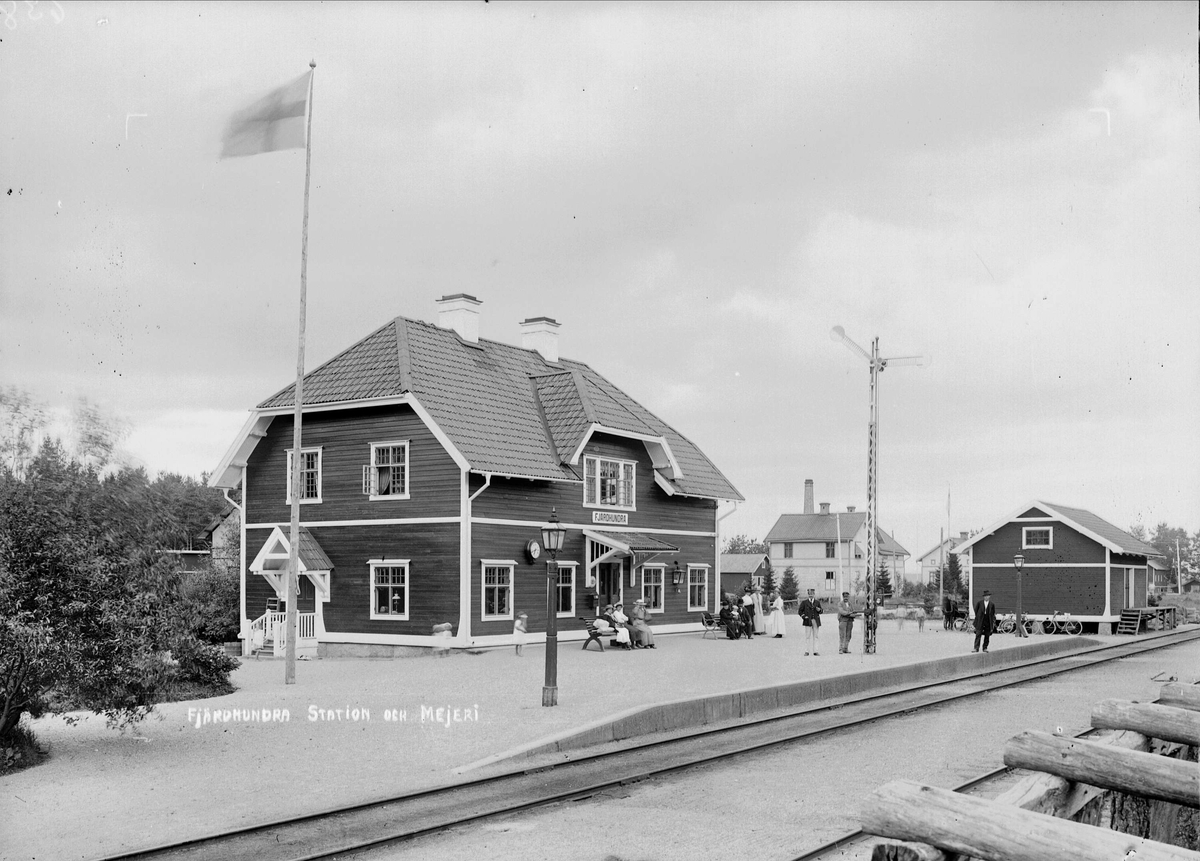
<point>310,475</point>
<point>787,549</point>
<point>1037,537</point>
<point>830,549</point>
<point>389,588</point>
<point>387,475</point>
<point>608,482</point>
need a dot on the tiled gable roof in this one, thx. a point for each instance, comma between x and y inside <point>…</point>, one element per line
<point>1122,539</point>
<point>506,409</point>
<point>741,563</point>
<point>824,527</point>
<point>1114,538</point>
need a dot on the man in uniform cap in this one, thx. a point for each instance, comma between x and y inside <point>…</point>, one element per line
<point>846,616</point>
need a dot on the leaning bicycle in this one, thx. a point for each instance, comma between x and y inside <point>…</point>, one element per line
<point>1007,624</point>
<point>1062,623</point>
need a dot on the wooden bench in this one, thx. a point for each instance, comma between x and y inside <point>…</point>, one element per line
<point>593,633</point>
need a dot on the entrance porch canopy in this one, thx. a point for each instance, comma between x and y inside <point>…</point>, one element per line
<point>618,545</point>
<point>272,562</point>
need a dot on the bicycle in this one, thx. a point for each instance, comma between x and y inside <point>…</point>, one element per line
<point>1062,623</point>
<point>1007,624</point>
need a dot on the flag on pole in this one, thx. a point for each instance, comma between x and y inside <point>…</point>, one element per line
<point>274,122</point>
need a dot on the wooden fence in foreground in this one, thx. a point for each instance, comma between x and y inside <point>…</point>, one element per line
<point>1132,791</point>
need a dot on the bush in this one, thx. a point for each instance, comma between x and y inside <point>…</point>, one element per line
<point>19,750</point>
<point>203,663</point>
<point>207,603</point>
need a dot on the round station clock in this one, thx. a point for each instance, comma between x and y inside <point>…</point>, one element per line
<point>533,550</point>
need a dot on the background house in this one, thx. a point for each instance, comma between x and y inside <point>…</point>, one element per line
<point>827,550</point>
<point>931,560</point>
<point>1075,562</point>
<point>737,568</point>
<point>430,460</point>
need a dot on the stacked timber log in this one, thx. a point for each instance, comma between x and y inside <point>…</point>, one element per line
<point>1131,791</point>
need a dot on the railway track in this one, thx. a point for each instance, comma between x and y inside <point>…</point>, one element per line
<point>348,830</point>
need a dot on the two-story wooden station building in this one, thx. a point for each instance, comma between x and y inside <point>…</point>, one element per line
<point>431,459</point>
<point>1074,562</point>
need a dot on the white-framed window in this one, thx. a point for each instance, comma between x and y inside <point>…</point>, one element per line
<point>787,549</point>
<point>1037,537</point>
<point>310,475</point>
<point>653,577</point>
<point>830,584</point>
<point>389,589</point>
<point>830,549</point>
<point>609,483</point>
<point>386,477</point>
<point>497,591</point>
<point>565,596</point>
<point>697,579</point>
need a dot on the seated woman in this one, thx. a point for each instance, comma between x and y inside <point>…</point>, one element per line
<point>732,621</point>
<point>642,635</point>
<point>619,630</point>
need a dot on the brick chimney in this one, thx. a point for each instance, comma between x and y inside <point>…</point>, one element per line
<point>460,313</point>
<point>808,496</point>
<point>849,509</point>
<point>539,333</point>
<point>825,508</point>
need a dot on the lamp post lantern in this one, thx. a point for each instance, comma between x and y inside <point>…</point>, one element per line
<point>877,363</point>
<point>1019,563</point>
<point>552,540</point>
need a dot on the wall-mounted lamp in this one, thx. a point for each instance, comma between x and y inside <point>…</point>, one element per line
<point>676,577</point>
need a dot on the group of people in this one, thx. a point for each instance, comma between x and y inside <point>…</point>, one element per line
<point>747,616</point>
<point>630,634</point>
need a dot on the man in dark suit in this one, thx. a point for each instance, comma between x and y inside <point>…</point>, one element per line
<point>985,620</point>
<point>810,614</point>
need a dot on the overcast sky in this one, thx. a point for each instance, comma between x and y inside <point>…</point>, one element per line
<point>698,193</point>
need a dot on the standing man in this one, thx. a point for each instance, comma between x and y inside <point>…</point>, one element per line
<point>810,615</point>
<point>846,616</point>
<point>985,620</point>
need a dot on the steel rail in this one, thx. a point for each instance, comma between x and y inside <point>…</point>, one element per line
<point>219,844</point>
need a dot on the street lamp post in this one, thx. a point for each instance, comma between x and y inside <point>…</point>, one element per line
<point>871,616</point>
<point>1019,563</point>
<point>552,540</point>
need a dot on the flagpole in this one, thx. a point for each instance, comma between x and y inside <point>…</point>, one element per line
<point>289,664</point>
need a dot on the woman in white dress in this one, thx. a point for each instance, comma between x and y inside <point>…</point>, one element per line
<point>760,621</point>
<point>776,625</point>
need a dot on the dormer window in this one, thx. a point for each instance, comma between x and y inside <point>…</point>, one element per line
<point>386,477</point>
<point>609,483</point>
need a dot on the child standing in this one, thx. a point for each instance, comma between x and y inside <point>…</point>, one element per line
<point>519,628</point>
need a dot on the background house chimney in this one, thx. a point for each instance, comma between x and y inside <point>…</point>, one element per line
<point>964,535</point>
<point>808,496</point>
<point>825,508</point>
<point>460,313</point>
<point>539,333</point>
<point>849,509</point>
